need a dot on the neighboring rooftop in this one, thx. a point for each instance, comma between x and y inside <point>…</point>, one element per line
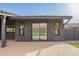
<point>71,25</point>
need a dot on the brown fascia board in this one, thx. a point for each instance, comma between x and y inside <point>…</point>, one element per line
<point>41,17</point>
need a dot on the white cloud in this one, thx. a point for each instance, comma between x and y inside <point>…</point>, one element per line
<point>74,8</point>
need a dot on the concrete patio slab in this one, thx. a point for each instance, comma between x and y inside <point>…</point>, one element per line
<point>38,49</point>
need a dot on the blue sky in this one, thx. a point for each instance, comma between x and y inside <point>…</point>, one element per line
<point>53,9</point>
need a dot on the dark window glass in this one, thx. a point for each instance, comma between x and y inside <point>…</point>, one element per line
<point>10,28</point>
<point>21,27</point>
<point>57,28</point>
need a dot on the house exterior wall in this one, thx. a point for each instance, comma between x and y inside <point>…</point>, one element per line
<point>28,30</point>
<point>76,33</point>
<point>71,33</point>
<point>51,35</point>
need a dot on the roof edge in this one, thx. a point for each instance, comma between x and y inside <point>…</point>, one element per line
<point>41,17</point>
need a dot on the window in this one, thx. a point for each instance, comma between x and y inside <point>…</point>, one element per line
<point>10,28</point>
<point>21,27</point>
<point>56,28</point>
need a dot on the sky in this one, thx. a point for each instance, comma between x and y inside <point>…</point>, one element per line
<point>50,9</point>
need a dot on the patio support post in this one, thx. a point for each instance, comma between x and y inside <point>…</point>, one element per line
<point>3,37</point>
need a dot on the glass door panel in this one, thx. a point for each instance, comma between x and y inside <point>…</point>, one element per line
<point>35,31</point>
<point>43,31</point>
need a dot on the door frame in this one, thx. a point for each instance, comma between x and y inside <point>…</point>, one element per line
<point>39,38</point>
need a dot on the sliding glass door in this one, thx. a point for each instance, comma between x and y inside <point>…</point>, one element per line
<point>39,31</point>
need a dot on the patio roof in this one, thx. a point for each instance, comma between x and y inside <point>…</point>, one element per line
<point>6,13</point>
<point>40,17</point>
